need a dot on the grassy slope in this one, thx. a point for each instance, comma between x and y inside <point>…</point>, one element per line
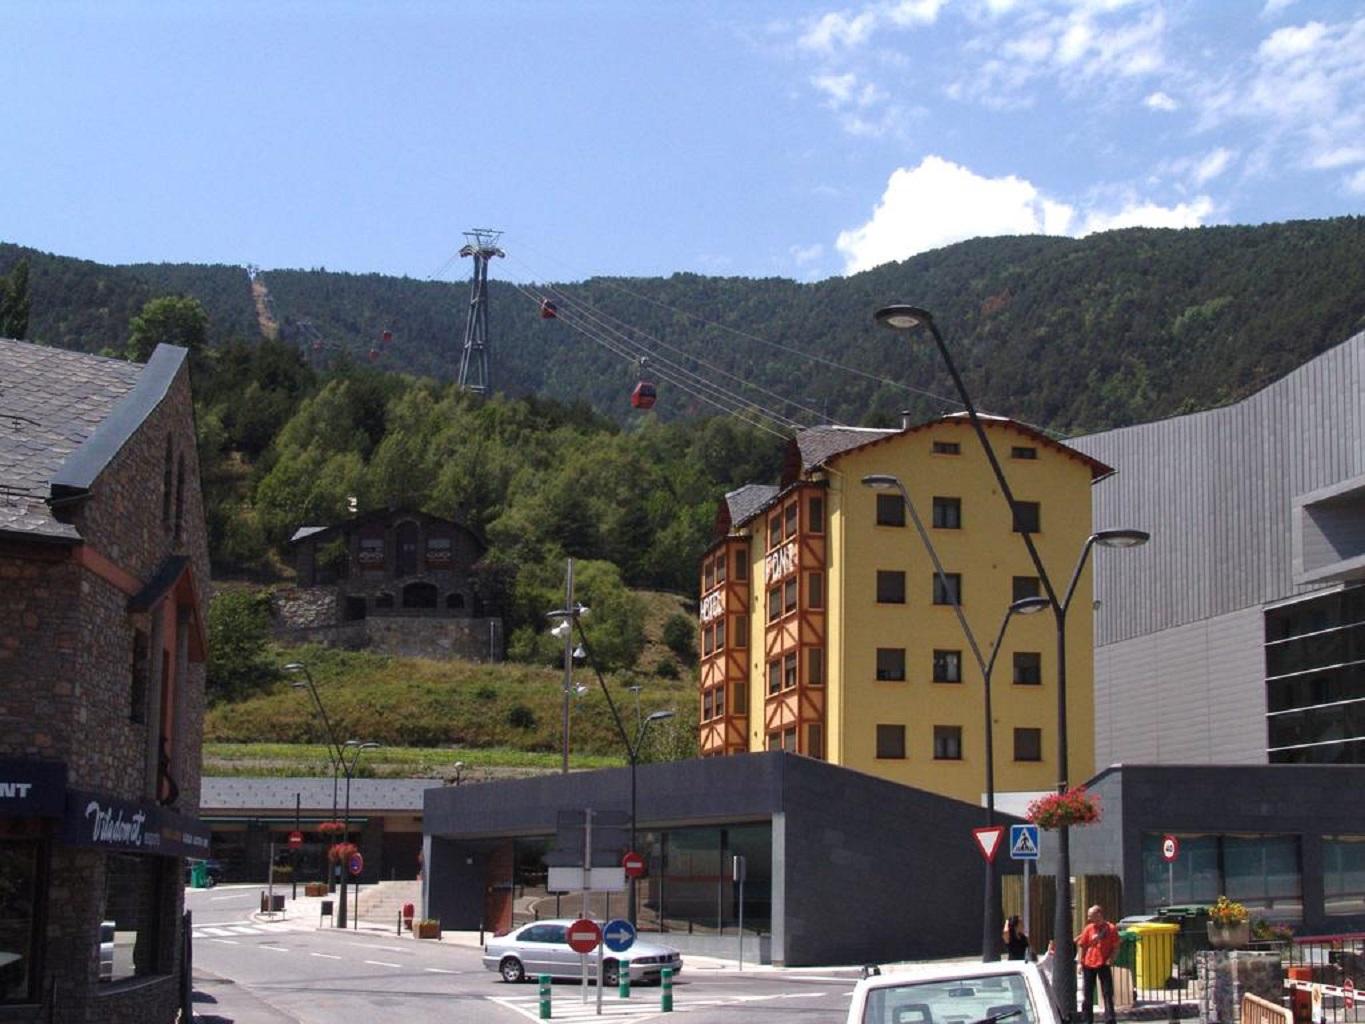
<point>428,714</point>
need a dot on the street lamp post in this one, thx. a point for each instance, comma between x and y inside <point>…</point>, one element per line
<point>566,617</point>
<point>907,318</point>
<point>333,747</point>
<point>1023,606</point>
<point>355,748</point>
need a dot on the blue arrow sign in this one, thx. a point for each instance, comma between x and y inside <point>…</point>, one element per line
<point>619,935</point>
<point>1024,842</point>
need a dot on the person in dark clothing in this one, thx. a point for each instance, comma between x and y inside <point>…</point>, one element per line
<point>1016,942</point>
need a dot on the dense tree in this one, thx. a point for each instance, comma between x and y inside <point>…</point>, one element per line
<point>170,320</point>
<point>239,629</point>
<point>14,302</point>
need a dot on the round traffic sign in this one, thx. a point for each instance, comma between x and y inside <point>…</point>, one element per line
<point>1348,993</point>
<point>584,935</point>
<point>634,864</point>
<point>355,863</point>
<point>619,935</point>
<point>295,839</point>
<point>1170,848</point>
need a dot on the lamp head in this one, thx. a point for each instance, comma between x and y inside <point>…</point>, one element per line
<point>1121,538</point>
<point>902,318</point>
<point>659,716</point>
<point>562,630</point>
<point>295,666</point>
<point>881,481</point>
<point>370,746</point>
<point>1029,605</point>
<point>579,653</point>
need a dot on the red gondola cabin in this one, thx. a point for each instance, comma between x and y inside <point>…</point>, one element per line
<point>548,310</point>
<point>644,395</point>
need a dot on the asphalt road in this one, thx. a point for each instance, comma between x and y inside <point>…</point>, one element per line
<point>251,971</point>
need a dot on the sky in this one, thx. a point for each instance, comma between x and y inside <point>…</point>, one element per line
<point>646,137</point>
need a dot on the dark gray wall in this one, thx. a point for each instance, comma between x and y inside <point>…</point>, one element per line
<point>870,870</point>
<point>1310,801</point>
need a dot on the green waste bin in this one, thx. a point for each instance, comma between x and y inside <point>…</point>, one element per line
<point>1155,952</point>
<point>199,875</point>
<point>1126,957</point>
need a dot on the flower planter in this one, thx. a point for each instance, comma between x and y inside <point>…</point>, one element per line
<point>1229,936</point>
<point>427,929</point>
<point>315,889</point>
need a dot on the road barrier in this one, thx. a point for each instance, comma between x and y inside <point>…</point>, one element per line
<point>623,979</point>
<point>666,990</point>
<point>544,980</point>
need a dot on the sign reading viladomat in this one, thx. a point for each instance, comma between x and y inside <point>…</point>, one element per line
<point>108,823</point>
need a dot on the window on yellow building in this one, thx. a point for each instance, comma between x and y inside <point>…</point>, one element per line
<point>949,593</point>
<point>740,631</point>
<point>789,515</point>
<point>891,664</point>
<point>707,637</point>
<point>947,448</point>
<point>815,741</point>
<point>890,510</point>
<point>815,666</point>
<point>891,741</point>
<point>815,513</point>
<point>774,603</point>
<point>1028,744</point>
<point>947,513</point>
<point>706,706</point>
<point>720,634</point>
<point>774,676</point>
<point>789,596</point>
<point>789,670</point>
<point>720,567</point>
<point>720,702</point>
<point>947,666</point>
<point>1021,451</point>
<point>741,563</point>
<point>741,701</point>
<point>890,587</point>
<point>774,531</point>
<point>1025,586</point>
<point>708,576</point>
<point>1028,668</point>
<point>815,590</point>
<point>1028,517</point>
<point>789,740</point>
<point>947,743</point>
<point>774,741</point>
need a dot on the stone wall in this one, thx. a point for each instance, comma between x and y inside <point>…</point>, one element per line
<point>1225,975</point>
<point>304,607</point>
<point>310,615</point>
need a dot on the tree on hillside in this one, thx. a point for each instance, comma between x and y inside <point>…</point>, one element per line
<point>14,302</point>
<point>239,628</point>
<point>172,320</point>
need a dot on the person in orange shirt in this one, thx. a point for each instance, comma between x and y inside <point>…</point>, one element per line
<point>1097,943</point>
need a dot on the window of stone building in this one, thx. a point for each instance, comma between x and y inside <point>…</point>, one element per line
<point>420,595</point>
<point>19,900</point>
<point>406,536</point>
<point>947,743</point>
<point>167,483</point>
<point>383,600</point>
<point>355,608</point>
<point>455,601</point>
<point>133,888</point>
<point>371,554</point>
<point>140,671</point>
<point>180,497</point>
<point>891,741</point>
<point>439,553</point>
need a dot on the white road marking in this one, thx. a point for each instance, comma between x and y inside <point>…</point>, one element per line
<point>212,931</point>
<point>243,929</point>
<point>326,956</point>
<point>438,970</point>
<point>228,942</point>
<point>274,949</point>
<point>382,963</point>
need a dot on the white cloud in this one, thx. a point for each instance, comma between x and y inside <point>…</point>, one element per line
<point>1356,183</point>
<point>939,202</point>
<point>1295,41</point>
<point>1212,165</point>
<point>1150,215</point>
<point>1160,101</point>
<point>1274,7</point>
<point>805,255</point>
<point>1342,156</point>
<point>839,88</point>
<point>915,12</point>
<point>837,28</point>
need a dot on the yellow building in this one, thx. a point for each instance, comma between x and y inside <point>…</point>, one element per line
<point>825,632</point>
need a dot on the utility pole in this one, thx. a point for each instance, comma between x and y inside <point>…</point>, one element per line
<point>568,659</point>
<point>474,376</point>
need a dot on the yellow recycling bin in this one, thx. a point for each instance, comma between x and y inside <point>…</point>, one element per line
<point>1155,952</point>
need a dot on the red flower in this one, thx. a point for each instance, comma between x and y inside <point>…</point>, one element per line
<point>1061,810</point>
<point>341,852</point>
<point>331,827</point>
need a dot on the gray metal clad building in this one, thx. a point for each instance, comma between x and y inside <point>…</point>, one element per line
<point>1237,635</point>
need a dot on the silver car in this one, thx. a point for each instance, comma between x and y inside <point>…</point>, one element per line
<point>542,947</point>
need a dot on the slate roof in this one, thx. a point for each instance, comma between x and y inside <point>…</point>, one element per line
<point>223,795</point>
<point>745,501</point>
<point>820,444</point>
<point>51,402</point>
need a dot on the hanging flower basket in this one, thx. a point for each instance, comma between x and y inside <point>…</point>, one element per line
<point>331,828</point>
<point>1062,810</point>
<point>339,853</point>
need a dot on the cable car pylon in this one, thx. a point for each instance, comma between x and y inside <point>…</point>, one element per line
<point>474,376</point>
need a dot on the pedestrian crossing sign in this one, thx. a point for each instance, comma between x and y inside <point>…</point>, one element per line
<point>1023,842</point>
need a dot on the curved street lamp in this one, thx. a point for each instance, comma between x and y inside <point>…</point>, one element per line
<point>907,318</point>
<point>355,748</point>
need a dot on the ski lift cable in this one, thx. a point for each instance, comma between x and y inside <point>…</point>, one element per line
<point>636,349</point>
<point>833,364</point>
<point>643,349</point>
<point>685,379</point>
<point>741,410</point>
<point>784,400</point>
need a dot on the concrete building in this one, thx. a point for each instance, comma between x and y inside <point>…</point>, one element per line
<point>825,630</point>
<point>104,566</point>
<point>1235,636</point>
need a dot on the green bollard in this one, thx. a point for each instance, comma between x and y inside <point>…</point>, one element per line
<point>623,979</point>
<point>666,990</point>
<point>544,980</point>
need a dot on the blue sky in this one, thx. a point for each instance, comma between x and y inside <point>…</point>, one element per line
<point>756,138</point>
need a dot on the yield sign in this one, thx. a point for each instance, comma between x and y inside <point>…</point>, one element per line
<point>989,840</point>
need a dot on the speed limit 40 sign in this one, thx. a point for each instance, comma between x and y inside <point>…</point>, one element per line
<point>1170,848</point>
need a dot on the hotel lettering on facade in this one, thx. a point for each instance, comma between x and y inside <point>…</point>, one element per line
<point>103,565</point>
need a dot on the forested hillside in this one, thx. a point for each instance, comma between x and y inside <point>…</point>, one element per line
<point>1073,334</point>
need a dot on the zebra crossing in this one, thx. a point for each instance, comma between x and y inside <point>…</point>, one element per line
<point>572,1008</point>
<point>224,931</point>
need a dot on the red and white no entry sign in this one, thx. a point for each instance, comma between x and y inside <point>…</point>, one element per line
<point>1170,848</point>
<point>584,935</point>
<point>295,839</point>
<point>634,864</point>
<point>1348,993</point>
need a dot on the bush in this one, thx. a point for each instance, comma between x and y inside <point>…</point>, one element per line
<point>680,636</point>
<point>486,692</point>
<point>519,716</point>
<point>666,669</point>
<point>239,627</point>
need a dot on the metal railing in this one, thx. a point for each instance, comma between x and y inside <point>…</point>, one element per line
<point>1323,974</point>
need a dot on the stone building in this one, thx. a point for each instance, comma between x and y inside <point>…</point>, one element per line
<point>395,580</point>
<point>104,564</point>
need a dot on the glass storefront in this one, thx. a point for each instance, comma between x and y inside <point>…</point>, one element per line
<point>1262,872</point>
<point>130,935</point>
<point>1343,875</point>
<point>19,865</point>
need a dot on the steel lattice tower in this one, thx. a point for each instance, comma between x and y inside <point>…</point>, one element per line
<point>483,246</point>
